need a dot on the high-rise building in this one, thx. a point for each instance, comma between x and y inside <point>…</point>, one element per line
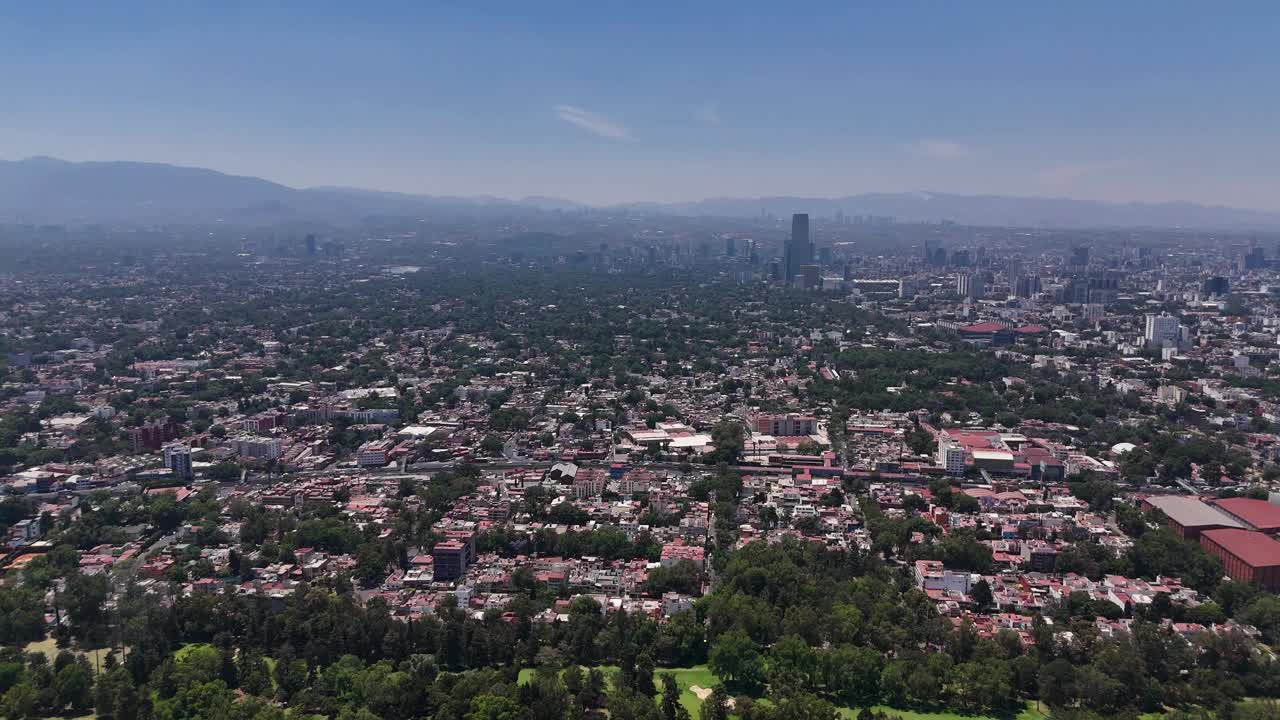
<point>951,457</point>
<point>730,246</point>
<point>1076,291</point>
<point>1216,285</point>
<point>810,276</point>
<point>1254,259</point>
<point>798,250</point>
<point>178,459</point>
<point>1026,286</point>
<point>969,285</point>
<point>1160,331</point>
<point>1079,256</point>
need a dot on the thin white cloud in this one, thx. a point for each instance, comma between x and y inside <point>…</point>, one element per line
<point>1067,174</point>
<point>593,123</point>
<point>708,114</point>
<point>935,149</point>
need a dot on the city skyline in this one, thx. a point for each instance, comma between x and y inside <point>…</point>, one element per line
<point>611,104</point>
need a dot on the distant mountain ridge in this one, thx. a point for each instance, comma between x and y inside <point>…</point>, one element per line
<point>52,191</point>
<point>991,210</point>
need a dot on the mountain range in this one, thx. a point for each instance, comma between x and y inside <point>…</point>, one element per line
<point>51,191</point>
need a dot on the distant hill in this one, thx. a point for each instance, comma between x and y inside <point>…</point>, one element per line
<point>987,210</point>
<point>48,190</point>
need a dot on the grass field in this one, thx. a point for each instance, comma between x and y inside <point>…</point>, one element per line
<point>50,650</point>
<point>685,679</point>
<point>1028,713</point>
<point>701,676</point>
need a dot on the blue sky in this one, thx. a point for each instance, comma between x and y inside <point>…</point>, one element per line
<point>615,101</point>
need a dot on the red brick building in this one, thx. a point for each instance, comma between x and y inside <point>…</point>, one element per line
<point>1247,555</point>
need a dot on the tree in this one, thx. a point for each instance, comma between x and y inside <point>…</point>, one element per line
<point>1057,683</point>
<point>809,447</point>
<point>670,703</point>
<point>980,686</point>
<point>981,594</point>
<point>164,513</point>
<point>736,658</point>
<point>493,707</point>
<point>20,702</point>
<point>729,439</point>
<point>255,677</point>
<point>492,445</point>
<point>371,564</point>
<point>73,687</point>
<point>83,599</point>
<point>716,706</point>
<point>853,674</point>
<point>791,664</point>
<point>1264,614</point>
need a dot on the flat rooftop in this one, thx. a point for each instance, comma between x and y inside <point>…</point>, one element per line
<point>1190,512</point>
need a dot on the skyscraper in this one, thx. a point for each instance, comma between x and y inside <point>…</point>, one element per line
<point>798,250</point>
<point>970,285</point>
<point>1026,286</point>
<point>1216,285</point>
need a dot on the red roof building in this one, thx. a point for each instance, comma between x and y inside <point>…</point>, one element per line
<point>987,333</point>
<point>1256,514</point>
<point>1246,555</point>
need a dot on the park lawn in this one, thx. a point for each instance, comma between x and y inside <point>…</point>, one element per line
<point>1030,712</point>
<point>49,648</point>
<point>686,678</point>
<point>702,676</point>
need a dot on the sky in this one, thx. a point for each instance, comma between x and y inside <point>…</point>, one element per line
<point>606,102</point>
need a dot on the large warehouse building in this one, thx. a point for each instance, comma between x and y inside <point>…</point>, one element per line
<point>1247,556</point>
<point>1188,516</point>
<point>1254,514</point>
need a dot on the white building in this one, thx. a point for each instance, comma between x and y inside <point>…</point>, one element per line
<point>1161,331</point>
<point>178,459</point>
<point>951,457</point>
<point>257,447</point>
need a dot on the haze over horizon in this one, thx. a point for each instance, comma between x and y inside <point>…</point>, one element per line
<point>616,103</point>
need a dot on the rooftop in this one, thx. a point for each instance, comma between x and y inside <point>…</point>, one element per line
<point>1254,548</point>
<point>1258,514</point>
<point>1190,512</point>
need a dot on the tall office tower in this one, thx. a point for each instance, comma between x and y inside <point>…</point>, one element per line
<point>1216,285</point>
<point>730,246</point>
<point>810,277</point>
<point>1254,259</point>
<point>1161,331</point>
<point>824,255</point>
<point>1026,286</point>
<point>969,285</point>
<point>798,251</point>
<point>1079,256</point>
<point>1076,291</point>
